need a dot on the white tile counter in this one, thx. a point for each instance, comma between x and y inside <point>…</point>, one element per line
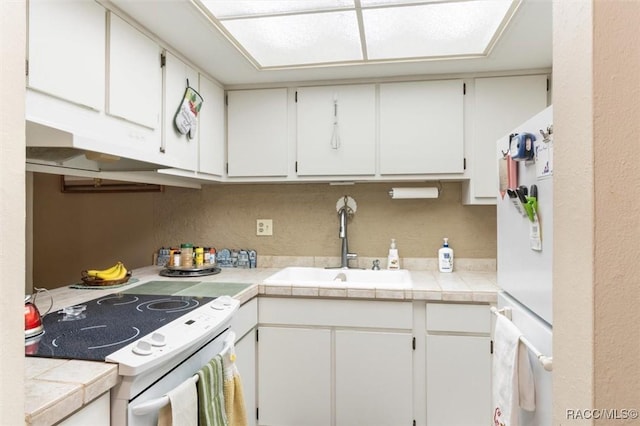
<point>55,388</point>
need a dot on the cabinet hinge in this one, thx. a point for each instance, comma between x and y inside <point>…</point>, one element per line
<point>296,96</point>
<point>548,84</point>
<point>491,346</point>
<point>413,343</point>
<point>26,67</point>
<point>227,167</point>
<point>464,164</point>
<point>226,100</point>
<point>464,88</point>
<point>296,167</point>
<point>257,333</point>
<point>163,60</point>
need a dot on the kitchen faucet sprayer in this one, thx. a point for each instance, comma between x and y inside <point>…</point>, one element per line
<point>346,206</point>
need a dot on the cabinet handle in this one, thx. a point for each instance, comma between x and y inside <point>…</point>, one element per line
<point>335,136</point>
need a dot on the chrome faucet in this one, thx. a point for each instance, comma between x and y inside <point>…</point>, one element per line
<point>348,207</point>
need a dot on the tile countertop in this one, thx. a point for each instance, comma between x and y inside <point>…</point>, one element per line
<point>56,388</point>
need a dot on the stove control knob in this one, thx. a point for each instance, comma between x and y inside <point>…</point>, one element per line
<point>142,348</point>
<point>225,300</point>
<point>222,302</point>
<point>158,339</point>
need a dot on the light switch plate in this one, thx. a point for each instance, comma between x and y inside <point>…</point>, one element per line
<point>264,227</point>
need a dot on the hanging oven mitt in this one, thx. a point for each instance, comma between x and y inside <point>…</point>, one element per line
<point>186,118</point>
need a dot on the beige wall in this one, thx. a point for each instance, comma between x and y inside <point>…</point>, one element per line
<point>597,201</point>
<point>73,231</point>
<point>12,210</point>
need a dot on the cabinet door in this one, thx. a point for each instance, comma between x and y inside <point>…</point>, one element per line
<point>257,132</point>
<point>373,378</point>
<point>336,130</point>
<point>67,50</point>
<point>135,75</point>
<point>502,103</point>
<point>246,363</point>
<point>211,123</point>
<point>421,127</point>
<point>294,376</point>
<point>458,380</point>
<point>180,151</point>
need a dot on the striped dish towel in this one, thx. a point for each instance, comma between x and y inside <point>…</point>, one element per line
<point>233,395</point>
<point>210,394</point>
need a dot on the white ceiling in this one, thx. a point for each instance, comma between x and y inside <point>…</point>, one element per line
<point>524,45</point>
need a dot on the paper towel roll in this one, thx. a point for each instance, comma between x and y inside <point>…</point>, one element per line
<point>404,193</point>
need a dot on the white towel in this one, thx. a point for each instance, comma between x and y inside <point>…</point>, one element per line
<point>513,386</point>
<point>182,409</point>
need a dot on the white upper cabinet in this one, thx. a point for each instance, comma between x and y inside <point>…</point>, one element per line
<point>67,50</point>
<point>135,75</point>
<point>421,127</point>
<point>336,130</point>
<point>180,150</point>
<point>501,103</point>
<point>257,133</point>
<point>211,123</point>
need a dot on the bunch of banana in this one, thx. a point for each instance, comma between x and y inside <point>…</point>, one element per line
<point>116,272</point>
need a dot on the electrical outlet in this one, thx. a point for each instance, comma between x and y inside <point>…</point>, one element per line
<point>264,227</point>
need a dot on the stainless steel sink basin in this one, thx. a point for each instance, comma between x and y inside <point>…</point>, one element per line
<point>306,276</point>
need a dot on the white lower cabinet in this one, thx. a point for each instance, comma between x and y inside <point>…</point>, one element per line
<point>335,362</point>
<point>244,324</point>
<point>373,378</point>
<point>355,362</point>
<point>294,376</point>
<point>458,365</point>
<point>246,363</point>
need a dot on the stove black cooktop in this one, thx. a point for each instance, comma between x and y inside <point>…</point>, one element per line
<point>107,324</point>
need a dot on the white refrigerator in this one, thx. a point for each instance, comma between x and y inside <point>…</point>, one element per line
<point>524,262</point>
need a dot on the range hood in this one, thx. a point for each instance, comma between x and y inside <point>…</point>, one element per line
<point>53,151</point>
<point>54,147</point>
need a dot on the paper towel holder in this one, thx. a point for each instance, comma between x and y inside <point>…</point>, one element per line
<point>414,192</point>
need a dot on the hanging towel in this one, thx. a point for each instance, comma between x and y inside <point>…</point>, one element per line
<point>233,396</point>
<point>513,387</point>
<point>182,409</point>
<point>210,394</point>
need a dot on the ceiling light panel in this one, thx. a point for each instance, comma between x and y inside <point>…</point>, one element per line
<point>225,9</point>
<point>433,30</point>
<point>304,39</point>
<point>375,3</point>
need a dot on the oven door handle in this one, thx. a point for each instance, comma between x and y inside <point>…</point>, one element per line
<point>156,404</point>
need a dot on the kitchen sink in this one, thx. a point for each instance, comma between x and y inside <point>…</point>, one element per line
<point>306,276</point>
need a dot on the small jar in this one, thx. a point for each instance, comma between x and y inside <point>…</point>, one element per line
<point>207,256</point>
<point>176,258</point>
<point>186,257</point>
<point>199,257</point>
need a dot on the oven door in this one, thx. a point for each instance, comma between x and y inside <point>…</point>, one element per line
<point>123,412</point>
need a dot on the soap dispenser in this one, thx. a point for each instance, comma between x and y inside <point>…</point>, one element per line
<point>445,257</point>
<point>394,259</point>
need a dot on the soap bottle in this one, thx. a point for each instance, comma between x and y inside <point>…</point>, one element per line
<point>445,257</point>
<point>394,259</point>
